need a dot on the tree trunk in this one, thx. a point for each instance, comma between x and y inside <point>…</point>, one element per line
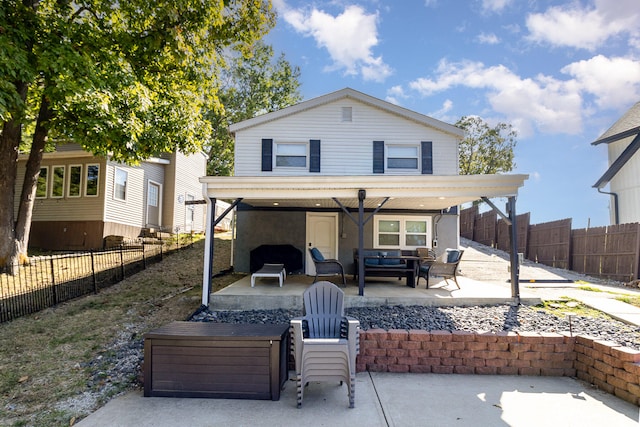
<point>32,170</point>
<point>9,144</point>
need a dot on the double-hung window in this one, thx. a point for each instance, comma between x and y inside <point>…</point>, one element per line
<point>57,182</point>
<point>91,183</point>
<point>401,232</point>
<point>41,185</point>
<point>120,184</point>
<point>75,181</point>
<point>291,155</point>
<point>403,157</point>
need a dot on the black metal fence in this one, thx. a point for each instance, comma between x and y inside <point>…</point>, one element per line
<point>50,280</point>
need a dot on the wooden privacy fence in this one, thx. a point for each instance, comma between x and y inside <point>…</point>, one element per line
<point>611,252</point>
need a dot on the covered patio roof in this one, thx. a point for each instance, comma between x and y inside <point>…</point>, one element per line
<point>428,192</point>
<point>371,192</point>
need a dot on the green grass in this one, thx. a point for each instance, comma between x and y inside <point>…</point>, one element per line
<point>566,306</point>
<point>633,300</point>
<point>589,288</point>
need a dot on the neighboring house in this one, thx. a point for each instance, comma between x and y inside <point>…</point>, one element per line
<point>81,198</point>
<point>623,175</point>
<point>330,170</point>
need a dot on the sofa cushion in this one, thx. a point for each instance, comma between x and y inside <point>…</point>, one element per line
<point>390,261</point>
<point>371,261</point>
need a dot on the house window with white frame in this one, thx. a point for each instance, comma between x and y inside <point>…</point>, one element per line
<point>120,184</point>
<point>291,155</point>
<point>402,232</point>
<point>41,185</point>
<point>57,182</point>
<point>74,188</point>
<point>403,157</point>
<point>93,178</point>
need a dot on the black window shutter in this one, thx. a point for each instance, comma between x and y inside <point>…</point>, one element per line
<point>267,155</point>
<point>427,157</point>
<point>378,156</point>
<point>314,155</point>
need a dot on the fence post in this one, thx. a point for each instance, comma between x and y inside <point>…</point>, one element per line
<point>144,260</point>
<point>122,260</point>
<point>93,274</point>
<point>53,282</point>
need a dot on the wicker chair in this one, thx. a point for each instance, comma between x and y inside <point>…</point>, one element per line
<point>326,267</point>
<point>446,268</point>
<point>325,342</point>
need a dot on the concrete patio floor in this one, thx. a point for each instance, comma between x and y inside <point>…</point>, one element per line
<point>267,294</point>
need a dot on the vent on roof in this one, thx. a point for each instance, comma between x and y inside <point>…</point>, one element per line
<point>346,114</point>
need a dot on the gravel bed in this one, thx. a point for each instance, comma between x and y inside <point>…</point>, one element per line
<point>477,318</point>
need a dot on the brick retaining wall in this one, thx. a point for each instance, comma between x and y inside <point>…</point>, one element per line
<point>610,367</point>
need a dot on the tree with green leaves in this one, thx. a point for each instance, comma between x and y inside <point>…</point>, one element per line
<point>127,80</point>
<point>249,86</point>
<point>486,149</point>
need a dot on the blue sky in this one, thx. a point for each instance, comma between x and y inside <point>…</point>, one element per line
<point>561,72</point>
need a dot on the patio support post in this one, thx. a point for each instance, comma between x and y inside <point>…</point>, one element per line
<point>362,194</point>
<point>208,251</point>
<point>212,221</point>
<point>515,261</point>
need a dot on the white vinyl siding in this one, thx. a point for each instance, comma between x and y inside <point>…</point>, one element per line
<point>133,211</point>
<point>625,184</point>
<point>182,180</point>
<point>346,147</point>
<point>68,208</point>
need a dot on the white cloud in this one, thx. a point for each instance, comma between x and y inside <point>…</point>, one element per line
<point>494,5</point>
<point>348,37</point>
<point>542,102</point>
<point>545,103</point>
<point>394,94</point>
<point>614,82</point>
<point>441,114</point>
<point>487,38</point>
<point>586,27</point>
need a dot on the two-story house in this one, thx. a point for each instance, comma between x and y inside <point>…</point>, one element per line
<point>82,198</point>
<point>623,176</point>
<point>347,170</point>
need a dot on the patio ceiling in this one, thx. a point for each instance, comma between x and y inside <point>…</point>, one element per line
<point>428,192</point>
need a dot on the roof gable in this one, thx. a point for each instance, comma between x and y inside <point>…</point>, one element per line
<point>627,125</point>
<point>353,94</point>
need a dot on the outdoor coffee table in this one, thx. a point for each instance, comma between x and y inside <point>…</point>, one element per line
<point>270,270</point>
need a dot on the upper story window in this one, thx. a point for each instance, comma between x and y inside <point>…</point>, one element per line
<point>402,232</point>
<point>75,181</point>
<point>402,157</point>
<point>120,184</point>
<point>41,186</point>
<point>91,183</point>
<point>291,155</point>
<point>57,182</point>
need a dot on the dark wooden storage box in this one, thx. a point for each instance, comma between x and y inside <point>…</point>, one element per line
<point>220,360</point>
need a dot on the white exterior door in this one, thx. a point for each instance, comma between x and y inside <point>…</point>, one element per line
<point>153,204</point>
<point>322,233</point>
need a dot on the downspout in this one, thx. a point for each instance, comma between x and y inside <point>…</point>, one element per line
<point>616,218</point>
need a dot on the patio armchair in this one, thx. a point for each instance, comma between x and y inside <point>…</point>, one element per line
<point>326,267</point>
<point>325,342</point>
<point>427,257</point>
<point>447,268</point>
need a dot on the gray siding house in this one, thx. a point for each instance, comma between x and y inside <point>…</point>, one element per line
<point>306,173</point>
<point>81,198</point>
<point>623,176</point>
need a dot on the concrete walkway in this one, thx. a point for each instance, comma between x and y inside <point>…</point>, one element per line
<point>387,399</point>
